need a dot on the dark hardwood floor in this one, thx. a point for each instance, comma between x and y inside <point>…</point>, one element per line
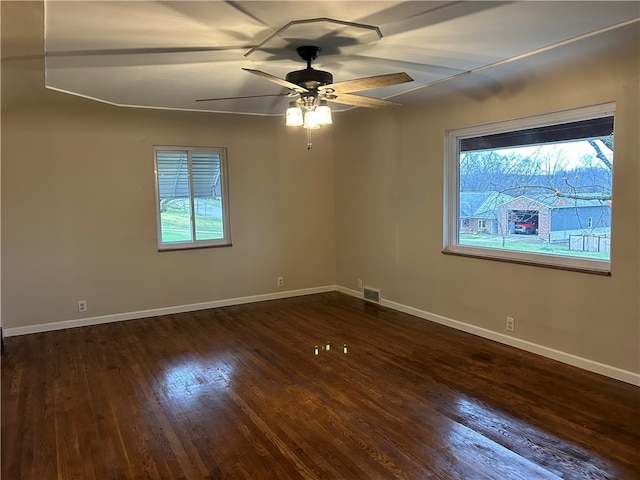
<point>237,392</point>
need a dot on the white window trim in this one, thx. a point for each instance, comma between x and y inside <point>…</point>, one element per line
<point>225,241</point>
<point>452,188</point>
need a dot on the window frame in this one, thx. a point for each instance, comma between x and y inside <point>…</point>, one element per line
<point>225,241</point>
<point>451,210</point>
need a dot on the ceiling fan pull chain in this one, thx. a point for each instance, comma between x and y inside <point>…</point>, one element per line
<point>309,144</point>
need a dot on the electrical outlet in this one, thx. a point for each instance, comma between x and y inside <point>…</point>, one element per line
<point>82,306</point>
<point>359,284</point>
<point>511,324</point>
<point>280,281</point>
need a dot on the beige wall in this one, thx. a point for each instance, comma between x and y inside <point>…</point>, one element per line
<point>78,200</point>
<point>78,211</point>
<point>389,191</point>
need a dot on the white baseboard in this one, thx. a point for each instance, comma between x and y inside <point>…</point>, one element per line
<point>568,358</point>
<point>118,317</point>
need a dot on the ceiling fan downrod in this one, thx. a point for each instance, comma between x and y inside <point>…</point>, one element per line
<point>308,53</point>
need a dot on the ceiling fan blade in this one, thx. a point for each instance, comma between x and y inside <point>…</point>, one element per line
<point>360,101</point>
<point>277,80</point>
<point>282,94</point>
<point>367,83</point>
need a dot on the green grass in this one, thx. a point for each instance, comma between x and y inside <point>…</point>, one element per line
<point>176,224</point>
<point>528,243</point>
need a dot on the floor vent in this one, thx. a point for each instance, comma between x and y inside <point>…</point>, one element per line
<point>371,294</point>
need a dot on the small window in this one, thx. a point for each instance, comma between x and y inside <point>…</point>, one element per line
<point>191,197</point>
<point>543,184</point>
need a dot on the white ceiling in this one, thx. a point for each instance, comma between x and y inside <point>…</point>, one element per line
<point>168,54</point>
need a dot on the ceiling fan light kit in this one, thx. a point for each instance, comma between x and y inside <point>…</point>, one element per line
<point>308,112</point>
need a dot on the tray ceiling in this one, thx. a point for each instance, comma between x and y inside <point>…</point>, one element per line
<point>161,54</point>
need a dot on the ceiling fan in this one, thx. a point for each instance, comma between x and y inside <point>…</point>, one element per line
<point>312,85</point>
<point>313,89</point>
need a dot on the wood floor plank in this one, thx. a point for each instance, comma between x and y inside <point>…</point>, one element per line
<point>238,393</point>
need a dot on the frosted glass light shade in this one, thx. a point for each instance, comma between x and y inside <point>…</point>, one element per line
<point>323,113</point>
<point>293,115</point>
<point>311,120</point>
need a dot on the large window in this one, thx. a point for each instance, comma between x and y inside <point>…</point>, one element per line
<point>534,190</point>
<point>192,199</point>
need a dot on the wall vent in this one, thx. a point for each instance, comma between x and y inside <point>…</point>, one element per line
<point>371,294</point>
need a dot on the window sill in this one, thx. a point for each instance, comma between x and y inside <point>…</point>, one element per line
<point>592,271</point>
<point>192,247</point>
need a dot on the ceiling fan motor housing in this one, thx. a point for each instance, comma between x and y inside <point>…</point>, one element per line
<point>310,78</point>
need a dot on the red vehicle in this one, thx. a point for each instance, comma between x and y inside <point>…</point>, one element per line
<point>527,227</point>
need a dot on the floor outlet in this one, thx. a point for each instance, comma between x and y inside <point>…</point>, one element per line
<point>82,306</point>
<point>511,324</point>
